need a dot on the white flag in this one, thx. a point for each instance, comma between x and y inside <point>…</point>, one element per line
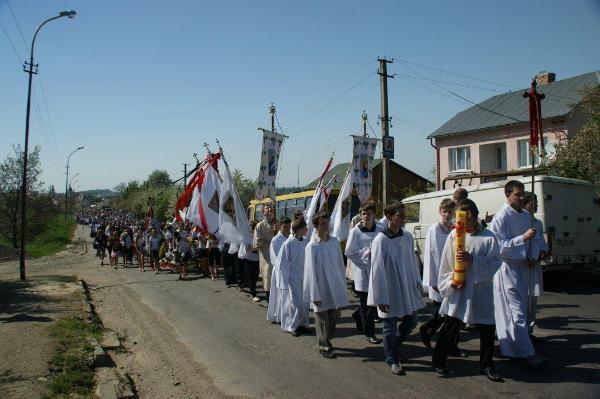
<point>234,227</point>
<point>204,205</point>
<point>269,160</point>
<point>340,217</point>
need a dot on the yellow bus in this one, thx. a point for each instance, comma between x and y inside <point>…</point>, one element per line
<point>287,204</point>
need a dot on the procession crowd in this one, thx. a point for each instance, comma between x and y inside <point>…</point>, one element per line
<point>304,268</point>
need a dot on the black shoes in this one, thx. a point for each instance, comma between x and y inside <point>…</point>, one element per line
<point>442,371</point>
<point>491,374</point>
<point>296,333</point>
<point>327,354</point>
<point>374,340</point>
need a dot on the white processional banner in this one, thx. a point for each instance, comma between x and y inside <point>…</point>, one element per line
<point>362,162</point>
<point>269,160</point>
<point>340,217</point>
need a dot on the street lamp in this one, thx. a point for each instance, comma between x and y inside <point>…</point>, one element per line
<point>31,72</point>
<point>67,185</point>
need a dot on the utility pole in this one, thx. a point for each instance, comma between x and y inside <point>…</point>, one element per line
<point>185,175</point>
<point>385,124</point>
<point>272,110</point>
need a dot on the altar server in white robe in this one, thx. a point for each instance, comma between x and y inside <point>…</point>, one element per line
<point>290,267</point>
<point>512,227</point>
<point>395,283</point>
<point>324,282</point>
<point>358,252</point>
<point>472,300</point>
<point>435,240</point>
<point>273,310</point>
<point>537,279</point>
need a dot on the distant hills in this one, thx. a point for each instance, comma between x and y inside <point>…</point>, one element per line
<point>100,193</point>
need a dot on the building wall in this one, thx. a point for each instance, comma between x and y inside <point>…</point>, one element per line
<point>509,135</point>
<point>401,183</point>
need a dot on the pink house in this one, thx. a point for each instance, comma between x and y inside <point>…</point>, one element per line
<point>490,139</point>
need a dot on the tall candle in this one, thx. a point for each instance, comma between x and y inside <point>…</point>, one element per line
<point>459,245</point>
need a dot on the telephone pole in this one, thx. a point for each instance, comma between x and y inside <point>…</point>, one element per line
<point>385,124</point>
<point>185,175</point>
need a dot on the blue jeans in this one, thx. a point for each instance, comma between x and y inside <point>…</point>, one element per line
<point>390,341</point>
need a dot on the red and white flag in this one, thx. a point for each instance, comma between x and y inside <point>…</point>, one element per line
<point>203,210</point>
<point>314,202</point>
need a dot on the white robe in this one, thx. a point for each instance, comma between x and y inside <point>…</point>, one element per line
<point>294,309</point>
<point>537,283</point>
<point>474,302</point>
<point>273,311</point>
<point>324,278</point>
<point>358,251</point>
<point>394,279</point>
<point>434,245</point>
<point>512,281</point>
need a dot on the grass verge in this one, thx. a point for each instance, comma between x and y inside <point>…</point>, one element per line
<point>72,359</point>
<point>53,238</point>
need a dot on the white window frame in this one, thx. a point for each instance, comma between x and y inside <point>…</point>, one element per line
<point>537,158</point>
<point>467,161</point>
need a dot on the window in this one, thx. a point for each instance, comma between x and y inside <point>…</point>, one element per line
<point>524,156</point>
<point>460,158</point>
<point>412,212</point>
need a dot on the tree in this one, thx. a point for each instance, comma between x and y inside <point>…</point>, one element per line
<point>244,186</point>
<point>159,179</point>
<point>579,157</point>
<point>11,175</point>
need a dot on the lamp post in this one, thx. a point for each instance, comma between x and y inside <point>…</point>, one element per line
<point>67,185</point>
<point>31,66</point>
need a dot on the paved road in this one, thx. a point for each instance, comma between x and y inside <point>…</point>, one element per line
<point>246,355</point>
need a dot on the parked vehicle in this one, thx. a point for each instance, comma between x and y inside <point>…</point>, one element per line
<point>568,208</point>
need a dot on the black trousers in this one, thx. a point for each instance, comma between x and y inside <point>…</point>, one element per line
<point>434,323</point>
<point>240,270</point>
<point>229,266</point>
<point>252,272</point>
<point>449,333</point>
<point>367,314</point>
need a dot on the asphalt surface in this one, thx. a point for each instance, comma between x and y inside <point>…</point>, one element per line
<point>247,355</point>
<point>244,354</point>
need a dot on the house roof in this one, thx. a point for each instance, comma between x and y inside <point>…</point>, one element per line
<point>561,95</point>
<point>341,168</point>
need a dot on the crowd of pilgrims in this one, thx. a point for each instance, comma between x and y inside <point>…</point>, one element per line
<point>303,268</point>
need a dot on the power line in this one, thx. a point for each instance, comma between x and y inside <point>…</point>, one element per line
<point>19,58</point>
<point>295,115</point>
<point>16,23</point>
<point>450,83</point>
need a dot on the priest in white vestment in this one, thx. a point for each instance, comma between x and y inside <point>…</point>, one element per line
<point>290,267</point>
<point>472,300</point>
<point>512,283</point>
<point>395,283</point>
<point>324,282</point>
<point>273,310</point>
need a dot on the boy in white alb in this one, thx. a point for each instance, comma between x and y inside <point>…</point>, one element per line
<point>472,300</point>
<point>273,310</point>
<point>324,282</point>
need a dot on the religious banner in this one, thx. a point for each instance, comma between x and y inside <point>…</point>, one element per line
<point>269,160</point>
<point>362,161</point>
<point>340,217</point>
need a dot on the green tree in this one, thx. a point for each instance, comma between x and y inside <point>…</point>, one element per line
<point>159,179</point>
<point>40,207</point>
<point>579,157</point>
<point>245,187</point>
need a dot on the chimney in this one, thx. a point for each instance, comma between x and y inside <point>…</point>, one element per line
<point>543,78</point>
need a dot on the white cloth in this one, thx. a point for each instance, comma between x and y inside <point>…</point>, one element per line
<point>358,251</point>
<point>434,245</point>
<point>324,279</point>
<point>339,223</point>
<point>537,282</point>
<point>294,310</point>
<point>273,310</point>
<point>474,302</point>
<point>394,279</point>
<point>245,252</point>
<point>511,282</point>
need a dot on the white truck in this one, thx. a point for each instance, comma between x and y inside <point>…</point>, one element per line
<point>568,208</point>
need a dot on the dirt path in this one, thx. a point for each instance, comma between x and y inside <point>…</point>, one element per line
<point>27,310</point>
<point>159,364</point>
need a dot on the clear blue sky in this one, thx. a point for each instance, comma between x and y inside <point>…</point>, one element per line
<point>142,84</point>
